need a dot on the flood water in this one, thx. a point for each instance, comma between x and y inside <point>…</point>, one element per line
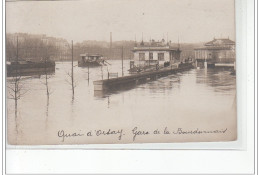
<point>192,99</point>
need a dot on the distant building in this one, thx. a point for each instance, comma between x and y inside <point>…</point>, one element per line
<point>216,51</point>
<point>155,52</point>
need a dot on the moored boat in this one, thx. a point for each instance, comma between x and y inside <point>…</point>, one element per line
<point>91,60</point>
<point>27,68</point>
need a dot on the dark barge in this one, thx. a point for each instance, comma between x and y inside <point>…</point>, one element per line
<point>29,68</point>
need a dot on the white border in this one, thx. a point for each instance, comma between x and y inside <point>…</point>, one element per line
<point>164,161</point>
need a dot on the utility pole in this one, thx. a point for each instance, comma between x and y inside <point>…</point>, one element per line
<point>16,88</point>
<point>167,37</point>
<point>72,76</point>
<point>16,71</point>
<point>135,39</point>
<point>110,44</point>
<point>122,61</point>
<point>178,43</point>
<point>17,48</point>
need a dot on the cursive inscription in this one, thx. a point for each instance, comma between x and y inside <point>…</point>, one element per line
<point>197,131</point>
<point>136,132</point>
<point>63,135</point>
<point>110,132</point>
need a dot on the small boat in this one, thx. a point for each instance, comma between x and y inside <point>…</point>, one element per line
<point>28,68</point>
<point>91,60</point>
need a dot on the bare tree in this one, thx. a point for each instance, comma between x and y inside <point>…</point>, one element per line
<point>15,86</point>
<point>46,82</point>
<point>71,74</point>
<point>46,75</point>
<point>46,57</point>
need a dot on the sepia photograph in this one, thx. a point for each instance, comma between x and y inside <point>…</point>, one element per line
<point>120,71</point>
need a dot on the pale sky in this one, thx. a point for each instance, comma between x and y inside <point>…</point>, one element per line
<point>190,20</point>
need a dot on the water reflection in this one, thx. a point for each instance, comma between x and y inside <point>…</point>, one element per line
<point>108,101</point>
<point>172,100</point>
<point>18,127</point>
<point>164,84</point>
<point>221,80</point>
<point>101,94</point>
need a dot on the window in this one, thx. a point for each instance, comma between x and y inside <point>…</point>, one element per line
<point>150,56</point>
<point>141,56</point>
<point>161,56</point>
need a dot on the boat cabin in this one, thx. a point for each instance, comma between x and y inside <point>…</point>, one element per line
<point>91,60</point>
<point>87,57</point>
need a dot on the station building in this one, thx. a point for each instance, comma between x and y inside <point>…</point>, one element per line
<point>155,52</point>
<point>216,52</point>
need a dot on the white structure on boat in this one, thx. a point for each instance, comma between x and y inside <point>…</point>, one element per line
<point>218,52</point>
<point>91,60</point>
<point>155,53</point>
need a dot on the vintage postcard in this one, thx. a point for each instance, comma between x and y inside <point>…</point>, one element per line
<point>120,71</point>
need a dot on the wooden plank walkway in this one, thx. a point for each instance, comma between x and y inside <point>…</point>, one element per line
<point>101,85</point>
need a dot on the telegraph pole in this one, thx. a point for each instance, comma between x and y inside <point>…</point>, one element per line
<point>17,48</point>
<point>122,61</point>
<point>72,76</point>
<point>110,45</point>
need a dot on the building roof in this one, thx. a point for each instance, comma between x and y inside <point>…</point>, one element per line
<point>213,48</point>
<point>225,41</point>
<point>155,46</point>
<point>92,55</point>
<point>155,49</point>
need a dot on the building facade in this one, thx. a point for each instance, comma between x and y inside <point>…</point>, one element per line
<point>155,52</point>
<point>216,51</point>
